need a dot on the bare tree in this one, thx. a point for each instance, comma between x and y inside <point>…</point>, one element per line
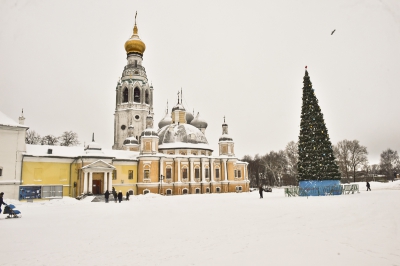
<point>32,137</point>
<point>342,155</point>
<point>292,158</point>
<point>276,164</point>
<point>390,163</point>
<point>69,138</point>
<point>350,155</point>
<point>358,156</point>
<point>49,140</point>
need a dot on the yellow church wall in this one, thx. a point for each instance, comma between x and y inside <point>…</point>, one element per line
<point>49,173</point>
<point>122,181</point>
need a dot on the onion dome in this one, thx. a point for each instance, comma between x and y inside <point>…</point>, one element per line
<point>178,106</point>
<point>167,120</point>
<point>148,132</point>
<point>93,147</point>
<point>199,122</point>
<point>189,117</point>
<point>131,141</point>
<point>225,137</point>
<point>135,44</point>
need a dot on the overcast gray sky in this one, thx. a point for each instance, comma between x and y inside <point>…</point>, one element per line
<point>60,61</point>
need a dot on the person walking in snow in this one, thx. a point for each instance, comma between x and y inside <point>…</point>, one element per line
<point>368,186</point>
<point>127,195</point>
<point>114,195</point>
<point>107,195</point>
<point>1,200</point>
<point>120,196</point>
<point>260,190</point>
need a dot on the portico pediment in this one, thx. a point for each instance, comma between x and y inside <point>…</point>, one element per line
<point>99,165</point>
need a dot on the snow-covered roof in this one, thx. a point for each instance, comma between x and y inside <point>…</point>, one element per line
<point>183,145</point>
<point>6,121</point>
<point>71,152</point>
<point>176,136</point>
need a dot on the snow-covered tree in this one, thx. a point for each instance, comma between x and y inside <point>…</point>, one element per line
<point>316,159</point>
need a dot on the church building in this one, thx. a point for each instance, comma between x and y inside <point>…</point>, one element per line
<point>173,159</point>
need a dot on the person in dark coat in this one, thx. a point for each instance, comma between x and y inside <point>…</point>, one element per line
<point>120,196</point>
<point>260,190</point>
<point>115,196</point>
<point>368,186</point>
<point>127,195</point>
<point>1,200</point>
<point>107,195</point>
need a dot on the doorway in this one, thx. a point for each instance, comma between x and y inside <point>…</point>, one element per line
<point>96,187</point>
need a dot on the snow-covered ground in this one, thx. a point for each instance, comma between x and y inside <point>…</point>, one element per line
<point>216,229</point>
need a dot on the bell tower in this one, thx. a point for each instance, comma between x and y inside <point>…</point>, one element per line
<point>134,94</point>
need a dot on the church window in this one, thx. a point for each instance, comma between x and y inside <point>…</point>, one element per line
<point>197,173</point>
<point>235,173</point>
<point>137,117</point>
<point>208,190</point>
<point>218,190</point>
<point>125,95</point>
<point>147,100</point>
<point>135,63</point>
<point>130,174</point>
<point>136,95</point>
<point>217,173</point>
<point>239,189</point>
<point>168,173</point>
<point>184,174</point>
<point>184,191</point>
<point>207,173</point>
<point>197,190</point>
<point>146,174</point>
<point>239,174</point>
<point>169,191</point>
<point>123,127</point>
<point>146,191</point>
<point>114,175</point>
<point>131,192</point>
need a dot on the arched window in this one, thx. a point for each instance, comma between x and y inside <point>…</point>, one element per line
<point>136,95</point>
<point>184,191</point>
<point>218,189</point>
<point>197,190</point>
<point>169,191</point>
<point>125,95</point>
<point>147,98</point>
<point>208,190</point>
<point>146,191</point>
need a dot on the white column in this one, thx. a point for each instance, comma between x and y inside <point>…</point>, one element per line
<point>212,170</point>
<point>191,170</point>
<point>90,181</point>
<point>161,166</point>
<point>225,170</point>
<point>179,169</point>
<point>105,182</point>
<point>110,181</point>
<point>85,179</point>
<point>203,175</point>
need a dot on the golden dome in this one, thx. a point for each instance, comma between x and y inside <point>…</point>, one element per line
<point>135,44</point>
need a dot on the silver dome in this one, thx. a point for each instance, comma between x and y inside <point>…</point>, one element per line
<point>182,136</point>
<point>167,120</point>
<point>199,122</point>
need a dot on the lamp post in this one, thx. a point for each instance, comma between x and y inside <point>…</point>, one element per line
<point>161,179</point>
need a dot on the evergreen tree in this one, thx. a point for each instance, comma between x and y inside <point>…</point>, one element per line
<point>316,159</point>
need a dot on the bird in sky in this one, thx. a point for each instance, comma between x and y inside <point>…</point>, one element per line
<point>333,31</point>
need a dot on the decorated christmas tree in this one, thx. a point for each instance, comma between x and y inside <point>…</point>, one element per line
<point>316,160</point>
